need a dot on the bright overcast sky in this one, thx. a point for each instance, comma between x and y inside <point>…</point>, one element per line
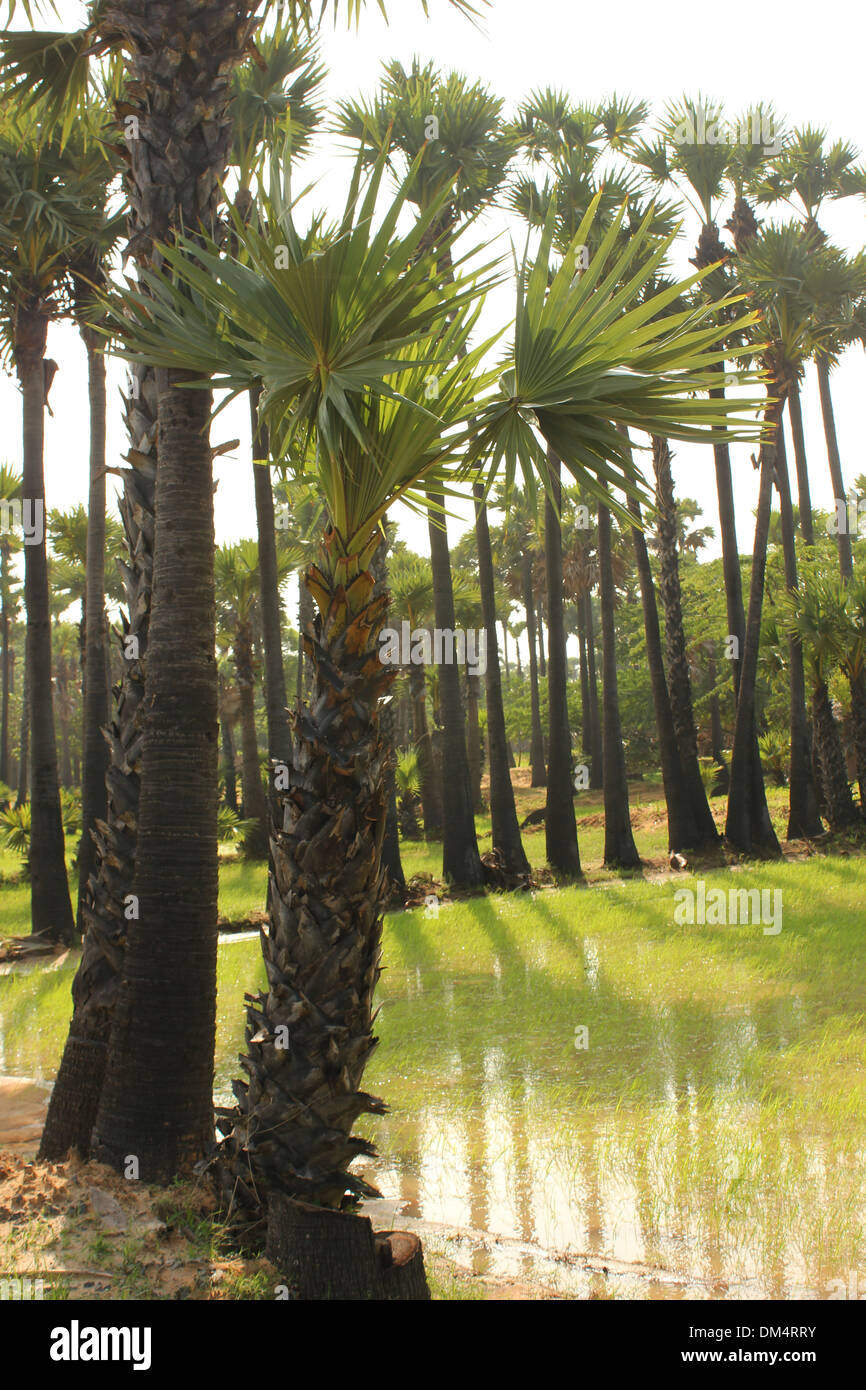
<point>807,62</point>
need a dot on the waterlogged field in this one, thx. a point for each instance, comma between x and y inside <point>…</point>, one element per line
<point>590,1095</point>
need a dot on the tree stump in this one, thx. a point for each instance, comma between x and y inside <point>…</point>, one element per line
<point>329,1255</point>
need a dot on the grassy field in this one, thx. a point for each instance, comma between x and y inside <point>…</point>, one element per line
<point>588,1096</point>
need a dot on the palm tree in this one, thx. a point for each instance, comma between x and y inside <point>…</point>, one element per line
<point>48,192</point>
<point>382,314</point>
<point>560,825</point>
<point>620,851</point>
<point>467,150</point>
<point>814,615</point>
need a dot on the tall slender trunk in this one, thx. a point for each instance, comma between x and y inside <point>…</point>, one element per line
<point>431,797</point>
<point>542,660</point>
<point>596,770</point>
<point>95,755</point>
<point>276,699</point>
<point>843,539</point>
<point>804,497</point>
<point>461,862</point>
<point>679,679</point>
<point>505,650</point>
<point>748,826</point>
<point>560,825</point>
<point>536,748</point>
<point>620,850</point>
<point>255,800</point>
<point>473,739</point>
<point>78,1087</point>
<point>5,662</point>
<point>585,711</point>
<point>391,860</point>
<point>23,792</point>
<point>715,711</point>
<point>50,904</point>
<point>682,831</point>
<point>230,796</point>
<point>803,818</point>
<point>158,1105</point>
<point>503,812</point>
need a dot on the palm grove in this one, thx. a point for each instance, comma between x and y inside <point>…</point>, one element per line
<point>165,138</point>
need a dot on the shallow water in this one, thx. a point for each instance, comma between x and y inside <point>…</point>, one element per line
<point>685,1152</point>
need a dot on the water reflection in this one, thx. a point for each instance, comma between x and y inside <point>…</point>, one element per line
<point>659,1162</point>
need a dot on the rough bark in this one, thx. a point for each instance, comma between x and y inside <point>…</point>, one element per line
<point>620,850</point>
<point>560,826</point>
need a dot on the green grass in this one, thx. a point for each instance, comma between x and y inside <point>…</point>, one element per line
<point>714,1127</point>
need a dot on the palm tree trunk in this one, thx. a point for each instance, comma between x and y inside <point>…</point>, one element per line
<point>596,770</point>
<point>255,802</point>
<point>95,756</point>
<point>799,439</point>
<point>585,711</point>
<point>473,739</point>
<point>542,660</point>
<point>803,818</point>
<point>843,539</point>
<point>305,618</point>
<point>51,906</point>
<point>156,1103</point>
<point>230,797</point>
<point>431,799</point>
<point>620,851</point>
<point>505,648</point>
<point>506,838</point>
<point>679,679</point>
<point>23,793</point>
<point>5,663</point>
<point>560,826</point>
<point>682,830</point>
<point>461,862</point>
<point>536,749</point>
<point>391,859</point>
<point>841,809</point>
<point>857,684</point>
<point>309,1037</point>
<point>276,699</point>
<point>78,1087</point>
<point>748,826</point>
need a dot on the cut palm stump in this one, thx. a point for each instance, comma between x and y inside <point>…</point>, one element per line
<point>326,1254</point>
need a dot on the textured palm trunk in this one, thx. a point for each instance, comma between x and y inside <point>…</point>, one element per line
<point>748,826</point>
<point>505,827</point>
<point>504,641</point>
<point>5,663</point>
<point>536,747</point>
<point>843,539</point>
<point>682,831</point>
<point>276,699</point>
<point>473,740</point>
<point>157,1096</point>
<point>679,679</point>
<point>310,1036</point>
<point>596,771</point>
<point>461,862</point>
<point>560,826</point>
<point>78,1087</point>
<point>804,820</point>
<point>255,801</point>
<point>716,735</point>
<point>620,850</point>
<point>306,613</point>
<point>94,797</point>
<point>804,497</point>
<point>23,791</point>
<point>50,904</point>
<point>585,711</point>
<point>841,809</point>
<point>227,743</point>
<point>542,660</point>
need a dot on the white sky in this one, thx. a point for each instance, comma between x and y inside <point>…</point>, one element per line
<point>807,63</point>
